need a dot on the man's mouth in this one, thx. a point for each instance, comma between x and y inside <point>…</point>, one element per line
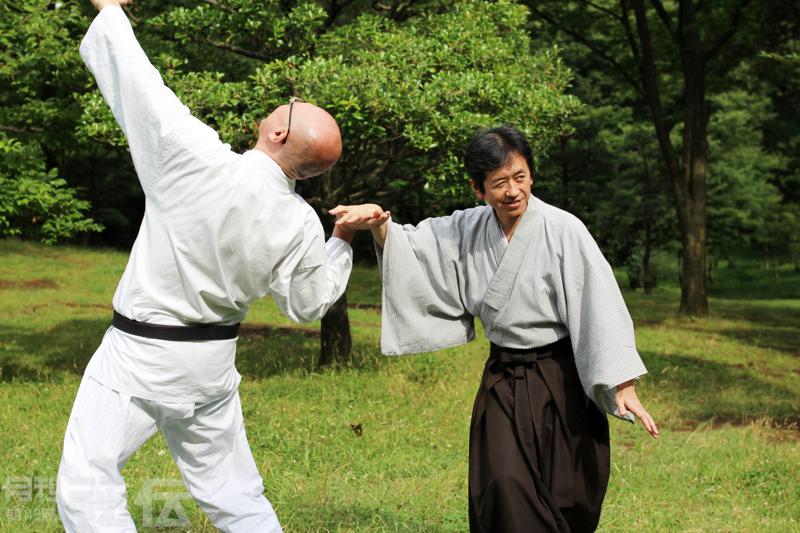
<point>513,204</point>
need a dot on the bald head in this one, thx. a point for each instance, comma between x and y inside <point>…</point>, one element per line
<point>309,148</point>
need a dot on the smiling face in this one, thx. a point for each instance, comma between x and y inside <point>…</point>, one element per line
<point>507,190</point>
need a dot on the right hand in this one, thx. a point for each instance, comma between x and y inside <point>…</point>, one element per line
<point>359,217</point>
<point>100,4</point>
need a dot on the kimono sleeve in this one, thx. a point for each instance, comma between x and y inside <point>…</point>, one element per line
<point>422,309</point>
<point>599,324</point>
<point>148,112</point>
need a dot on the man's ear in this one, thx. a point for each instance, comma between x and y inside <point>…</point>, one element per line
<point>477,190</point>
<point>277,136</point>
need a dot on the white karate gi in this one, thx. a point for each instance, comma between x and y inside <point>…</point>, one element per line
<point>220,231</point>
<point>551,280</point>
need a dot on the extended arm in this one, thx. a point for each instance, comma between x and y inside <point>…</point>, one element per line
<point>146,110</point>
<point>422,308</point>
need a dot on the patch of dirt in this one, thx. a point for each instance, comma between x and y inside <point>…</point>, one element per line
<point>372,307</point>
<point>789,426</point>
<point>262,330</point>
<point>28,284</point>
<point>88,306</point>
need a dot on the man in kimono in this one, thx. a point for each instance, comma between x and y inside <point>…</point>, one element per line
<point>220,231</point>
<point>562,344</point>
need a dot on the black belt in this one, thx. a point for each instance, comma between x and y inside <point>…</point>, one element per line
<point>525,355</point>
<point>202,332</point>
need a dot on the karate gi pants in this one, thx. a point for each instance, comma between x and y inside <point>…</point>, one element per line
<point>539,455</point>
<point>207,442</point>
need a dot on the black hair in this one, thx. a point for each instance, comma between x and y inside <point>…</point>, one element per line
<point>489,150</point>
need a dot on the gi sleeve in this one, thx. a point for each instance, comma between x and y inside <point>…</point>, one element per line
<point>318,279</point>
<point>422,309</point>
<point>148,112</point>
<point>599,324</point>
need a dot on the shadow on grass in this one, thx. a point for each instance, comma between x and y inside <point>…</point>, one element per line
<point>770,313</point>
<point>715,392</point>
<point>752,280</point>
<point>37,355</point>
<point>653,309</point>
<point>785,340</point>
<point>45,355</point>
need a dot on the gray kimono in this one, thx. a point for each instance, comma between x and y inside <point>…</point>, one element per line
<point>549,281</point>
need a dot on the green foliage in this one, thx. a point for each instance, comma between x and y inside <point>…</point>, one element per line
<point>257,29</point>
<point>39,72</point>
<point>35,203</point>
<point>409,95</point>
<point>741,197</point>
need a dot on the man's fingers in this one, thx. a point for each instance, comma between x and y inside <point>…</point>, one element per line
<point>647,420</point>
<point>623,410</point>
<point>338,209</point>
<point>650,425</point>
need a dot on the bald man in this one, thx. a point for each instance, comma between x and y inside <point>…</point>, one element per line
<point>220,231</point>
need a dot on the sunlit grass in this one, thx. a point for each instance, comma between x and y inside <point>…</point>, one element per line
<point>725,390</point>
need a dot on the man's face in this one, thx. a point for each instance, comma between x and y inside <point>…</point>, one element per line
<point>507,189</point>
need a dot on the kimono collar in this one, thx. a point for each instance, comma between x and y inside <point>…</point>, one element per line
<point>499,290</point>
<point>273,170</point>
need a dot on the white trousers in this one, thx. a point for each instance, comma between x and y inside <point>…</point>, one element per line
<point>207,442</point>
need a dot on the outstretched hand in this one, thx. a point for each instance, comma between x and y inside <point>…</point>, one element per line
<point>359,217</point>
<point>627,401</point>
<point>100,4</point>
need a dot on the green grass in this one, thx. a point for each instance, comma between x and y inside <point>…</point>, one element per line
<point>725,391</point>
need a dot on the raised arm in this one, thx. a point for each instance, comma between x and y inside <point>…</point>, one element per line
<point>147,111</point>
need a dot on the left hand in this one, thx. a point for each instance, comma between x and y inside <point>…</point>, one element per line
<point>359,217</point>
<point>627,401</point>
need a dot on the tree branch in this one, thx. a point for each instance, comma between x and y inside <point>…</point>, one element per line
<point>602,9</point>
<point>237,50</point>
<point>653,95</point>
<point>23,129</point>
<point>665,18</point>
<point>626,23</point>
<point>594,48</point>
<point>725,37</point>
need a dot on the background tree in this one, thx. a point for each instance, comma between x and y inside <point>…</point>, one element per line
<point>672,55</point>
<point>39,70</point>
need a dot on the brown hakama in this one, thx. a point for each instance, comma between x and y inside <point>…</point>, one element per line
<point>539,449</point>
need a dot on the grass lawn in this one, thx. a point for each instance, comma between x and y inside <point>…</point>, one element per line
<point>725,391</point>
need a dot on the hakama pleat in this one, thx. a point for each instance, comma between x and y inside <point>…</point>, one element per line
<point>539,449</point>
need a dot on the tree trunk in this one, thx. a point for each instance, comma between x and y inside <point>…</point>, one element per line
<point>648,272</point>
<point>690,185</point>
<point>688,176</point>
<point>335,340</point>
